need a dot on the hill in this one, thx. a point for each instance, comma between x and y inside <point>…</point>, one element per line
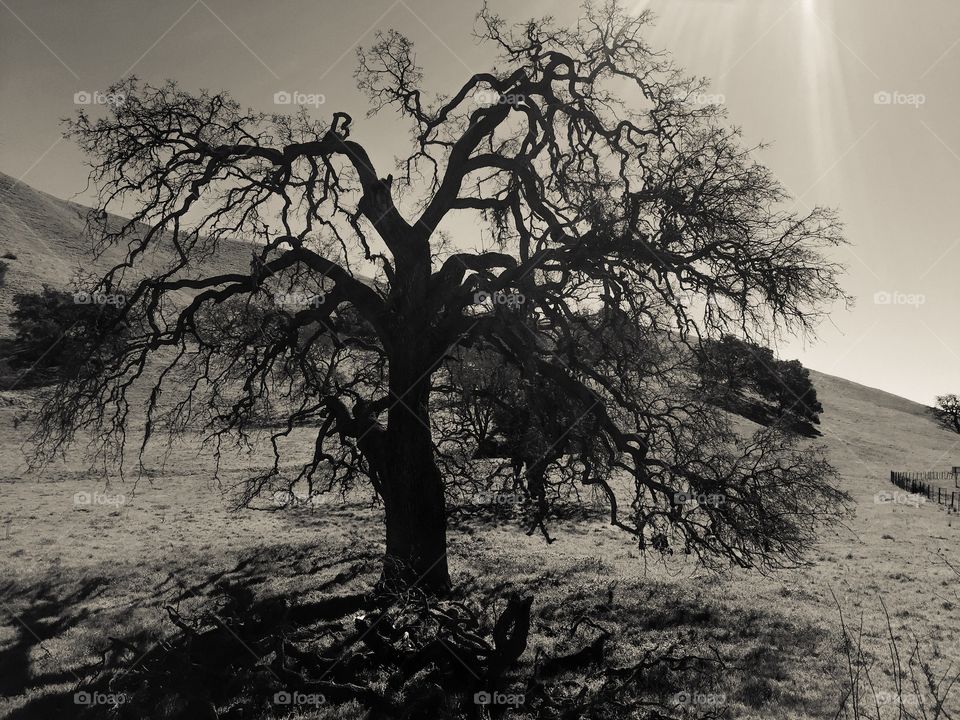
<point>47,236</point>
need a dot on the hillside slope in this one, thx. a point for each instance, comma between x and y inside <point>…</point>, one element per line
<point>47,235</point>
<point>873,432</point>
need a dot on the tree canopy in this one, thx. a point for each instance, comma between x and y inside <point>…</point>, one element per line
<point>747,378</point>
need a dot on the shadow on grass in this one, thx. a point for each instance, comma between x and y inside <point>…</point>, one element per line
<point>286,632</point>
<point>45,615</point>
<point>46,618</point>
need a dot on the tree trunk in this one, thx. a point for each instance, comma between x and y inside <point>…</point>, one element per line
<point>416,520</point>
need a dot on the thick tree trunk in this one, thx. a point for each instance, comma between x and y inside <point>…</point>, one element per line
<point>416,521</point>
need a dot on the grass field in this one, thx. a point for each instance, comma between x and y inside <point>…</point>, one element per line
<point>84,561</point>
<point>78,574</point>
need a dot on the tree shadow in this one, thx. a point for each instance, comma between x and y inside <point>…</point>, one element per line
<point>764,414</point>
<point>246,643</point>
<point>251,588</point>
<point>48,613</point>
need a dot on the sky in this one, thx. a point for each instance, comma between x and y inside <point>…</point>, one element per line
<point>858,98</point>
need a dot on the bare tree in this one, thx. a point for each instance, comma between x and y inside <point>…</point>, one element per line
<point>617,212</point>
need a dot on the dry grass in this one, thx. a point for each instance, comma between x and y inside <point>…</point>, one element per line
<point>76,575</point>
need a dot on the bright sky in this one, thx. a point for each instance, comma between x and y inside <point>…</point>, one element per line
<point>858,97</point>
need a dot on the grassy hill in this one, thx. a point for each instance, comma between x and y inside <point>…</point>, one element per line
<point>72,576</point>
<point>48,239</point>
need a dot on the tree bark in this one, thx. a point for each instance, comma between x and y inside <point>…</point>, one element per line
<point>416,521</point>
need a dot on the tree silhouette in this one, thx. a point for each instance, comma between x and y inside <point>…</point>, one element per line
<point>947,411</point>
<point>620,220</point>
<point>783,390</point>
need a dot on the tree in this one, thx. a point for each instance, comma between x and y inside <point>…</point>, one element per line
<point>727,365</point>
<point>614,208</point>
<point>795,393</point>
<point>730,367</point>
<point>947,411</point>
<point>53,327</point>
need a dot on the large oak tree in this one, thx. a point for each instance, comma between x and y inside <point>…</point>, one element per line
<point>620,219</point>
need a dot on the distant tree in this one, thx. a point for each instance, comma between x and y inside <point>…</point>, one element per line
<point>613,207</point>
<point>726,365</point>
<point>794,391</point>
<point>730,366</point>
<point>947,410</point>
<point>53,328</point>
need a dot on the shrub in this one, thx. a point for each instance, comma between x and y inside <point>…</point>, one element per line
<point>732,368</point>
<point>54,334</point>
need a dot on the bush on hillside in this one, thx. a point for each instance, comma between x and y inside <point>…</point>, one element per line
<point>748,379</point>
<point>58,332</point>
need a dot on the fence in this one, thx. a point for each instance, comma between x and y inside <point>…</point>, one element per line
<point>944,487</point>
